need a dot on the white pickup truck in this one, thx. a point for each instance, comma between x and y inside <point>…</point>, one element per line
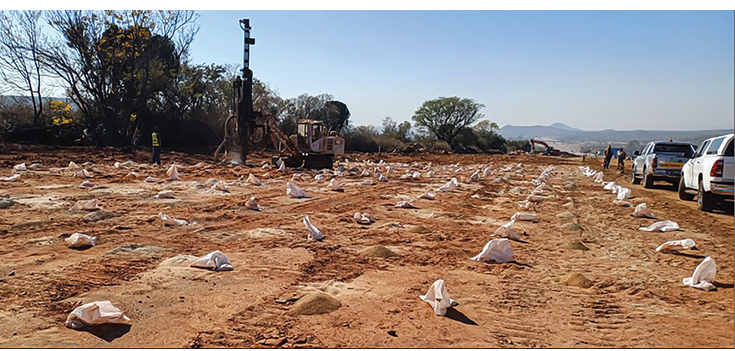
<point>660,160</point>
<point>710,172</point>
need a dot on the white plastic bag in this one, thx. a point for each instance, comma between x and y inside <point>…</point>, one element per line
<point>281,166</point>
<point>172,221</point>
<point>609,186</point>
<point>85,205</point>
<point>364,218</point>
<point>438,298</point>
<point>319,177</point>
<point>428,196</point>
<point>314,233</point>
<point>524,205</point>
<point>449,186</point>
<point>165,194</point>
<point>87,184</point>
<point>623,193</point>
<point>95,313</point>
<point>83,174</point>
<point>252,204</point>
<point>220,186</point>
<point>405,176</point>
<point>496,250</point>
<point>486,172</point>
<point>72,166</point>
<point>153,180</point>
<point>598,177</point>
<point>416,175</point>
<point>382,178</point>
<point>704,275</point>
<point>81,240</point>
<point>662,226</point>
<point>215,260</point>
<point>508,231</point>
<point>334,185</point>
<point>20,168</point>
<point>293,190</point>
<point>404,204</point>
<point>266,166</point>
<point>253,180</point>
<point>642,211</point>
<point>173,173</point>
<point>367,182</point>
<point>524,216</point>
<point>12,178</point>
<point>674,245</point>
<point>475,176</point>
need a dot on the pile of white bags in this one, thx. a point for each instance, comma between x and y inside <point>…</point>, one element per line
<point>173,173</point>
<point>642,211</point>
<point>293,190</point>
<point>675,245</point>
<point>662,226</point>
<point>77,240</point>
<point>449,186</point>
<point>438,298</point>
<point>704,275</point>
<point>85,205</point>
<point>165,194</point>
<point>496,250</point>
<point>95,313</point>
<point>314,233</point>
<point>172,221</point>
<point>215,260</point>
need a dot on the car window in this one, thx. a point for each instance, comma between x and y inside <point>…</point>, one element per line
<point>645,151</point>
<point>714,146</point>
<point>700,150</point>
<point>728,149</point>
<point>673,149</point>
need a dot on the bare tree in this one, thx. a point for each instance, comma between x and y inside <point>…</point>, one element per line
<point>21,41</point>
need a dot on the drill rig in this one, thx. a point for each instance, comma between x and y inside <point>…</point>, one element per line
<point>313,146</point>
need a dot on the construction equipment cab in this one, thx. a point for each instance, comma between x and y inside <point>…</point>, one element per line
<point>313,137</point>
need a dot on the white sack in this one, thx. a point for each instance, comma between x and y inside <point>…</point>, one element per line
<point>314,233</point>
<point>508,231</point>
<point>364,218</point>
<point>296,177</point>
<point>95,313</point>
<point>165,194</point>
<point>367,182</point>
<point>428,195</point>
<point>253,180</point>
<point>486,172</point>
<point>153,180</point>
<point>266,166</point>
<point>524,205</point>
<point>406,176</point>
<point>85,205</point>
<point>220,186</point>
<point>598,177</point>
<point>475,176</point>
<point>252,204</point>
<point>132,174</point>
<point>382,178</point>
<point>83,174</point>
<point>172,221</point>
<point>215,260</point>
<point>643,212</point>
<point>496,250</point>
<point>293,190</point>
<point>266,174</point>
<point>704,275</point>
<point>438,298</point>
<point>609,186</point>
<point>416,175</point>
<point>524,216</point>
<point>12,178</point>
<point>674,245</point>
<point>81,240</point>
<point>365,173</point>
<point>623,193</point>
<point>334,185</point>
<point>449,186</point>
<point>173,173</point>
<point>127,164</point>
<point>319,177</point>
<point>404,204</point>
<point>87,184</point>
<point>20,168</point>
<point>662,226</point>
<point>281,166</point>
<point>72,165</point>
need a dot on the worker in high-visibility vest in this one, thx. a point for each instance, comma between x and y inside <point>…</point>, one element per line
<point>156,139</point>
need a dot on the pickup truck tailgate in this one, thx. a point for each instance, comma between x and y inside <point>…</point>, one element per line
<point>727,171</point>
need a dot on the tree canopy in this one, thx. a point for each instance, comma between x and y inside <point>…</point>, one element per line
<point>446,117</point>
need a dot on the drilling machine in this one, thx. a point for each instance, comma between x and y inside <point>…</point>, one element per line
<point>313,146</point>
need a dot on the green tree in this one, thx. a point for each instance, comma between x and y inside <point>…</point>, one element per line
<point>446,117</point>
<point>398,131</point>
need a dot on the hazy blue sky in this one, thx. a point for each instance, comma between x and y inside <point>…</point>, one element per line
<point>591,70</point>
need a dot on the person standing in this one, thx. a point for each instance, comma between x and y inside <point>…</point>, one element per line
<point>156,141</point>
<point>621,159</point>
<point>608,157</point>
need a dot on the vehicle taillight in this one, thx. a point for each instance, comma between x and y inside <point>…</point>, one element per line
<point>717,169</point>
<point>654,162</point>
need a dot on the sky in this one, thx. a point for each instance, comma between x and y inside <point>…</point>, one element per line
<point>589,69</point>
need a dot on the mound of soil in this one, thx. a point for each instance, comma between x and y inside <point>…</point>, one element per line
<point>574,279</point>
<point>576,245</point>
<point>419,229</point>
<point>378,251</point>
<point>316,303</point>
<point>571,227</point>
<point>566,214</point>
<point>98,216</point>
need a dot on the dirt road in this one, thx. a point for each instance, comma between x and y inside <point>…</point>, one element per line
<point>637,298</point>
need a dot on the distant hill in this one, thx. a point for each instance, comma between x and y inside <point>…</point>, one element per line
<point>560,131</point>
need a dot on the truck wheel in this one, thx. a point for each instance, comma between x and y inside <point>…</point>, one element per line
<point>705,200</point>
<point>647,180</point>
<point>683,194</point>
<point>633,178</point>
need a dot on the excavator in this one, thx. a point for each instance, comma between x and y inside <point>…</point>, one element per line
<point>313,145</point>
<point>548,149</point>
